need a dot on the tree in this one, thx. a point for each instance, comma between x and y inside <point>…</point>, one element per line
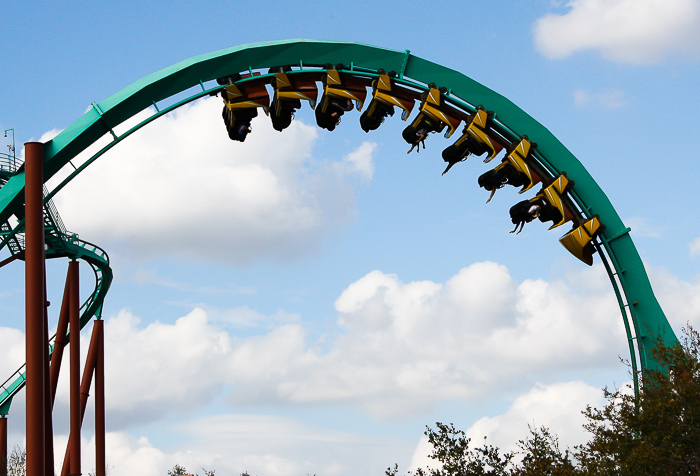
<point>451,450</point>
<point>660,432</point>
<point>179,470</point>
<point>17,462</point>
<point>540,456</point>
<point>656,433</point>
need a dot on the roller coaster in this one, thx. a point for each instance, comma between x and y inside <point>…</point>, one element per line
<point>276,77</point>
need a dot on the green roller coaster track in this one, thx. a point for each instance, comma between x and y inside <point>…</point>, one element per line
<point>643,317</point>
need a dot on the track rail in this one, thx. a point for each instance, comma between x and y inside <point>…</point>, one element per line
<point>643,317</point>
<point>98,260</point>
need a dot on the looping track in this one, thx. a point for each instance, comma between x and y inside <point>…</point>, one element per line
<point>160,92</point>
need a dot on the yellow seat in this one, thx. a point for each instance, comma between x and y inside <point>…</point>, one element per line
<point>579,241</point>
<point>476,130</point>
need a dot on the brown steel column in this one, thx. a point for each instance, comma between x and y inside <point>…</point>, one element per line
<point>100,427</point>
<point>48,404</point>
<point>74,312</point>
<point>60,343</point>
<point>35,303</point>
<point>3,446</point>
<point>90,368</point>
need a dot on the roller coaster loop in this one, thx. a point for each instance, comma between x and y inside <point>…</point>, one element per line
<point>161,92</point>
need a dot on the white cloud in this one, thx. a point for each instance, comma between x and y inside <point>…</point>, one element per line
<point>402,349</point>
<point>557,407</point>
<point>130,456</point>
<point>360,161</point>
<point>160,368</point>
<point>694,247</point>
<point>409,346</point>
<point>627,31</point>
<point>13,355</point>
<point>265,444</point>
<point>399,349</point>
<point>610,99</point>
<point>180,186</point>
<point>257,444</point>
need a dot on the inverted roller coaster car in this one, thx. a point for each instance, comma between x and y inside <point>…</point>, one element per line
<point>244,92</point>
<point>289,91</point>
<point>579,241</point>
<point>386,95</point>
<point>518,159</point>
<point>553,194</point>
<point>238,122</point>
<point>474,140</point>
<point>434,116</point>
<point>504,174</point>
<point>339,93</point>
<point>547,205</point>
<point>513,170</point>
<point>241,102</point>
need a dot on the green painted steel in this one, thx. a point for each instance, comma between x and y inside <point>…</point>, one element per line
<point>627,273</point>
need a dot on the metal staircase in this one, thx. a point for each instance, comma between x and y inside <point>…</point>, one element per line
<point>59,243</point>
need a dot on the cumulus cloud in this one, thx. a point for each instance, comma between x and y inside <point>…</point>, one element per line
<point>557,407</point>
<point>256,444</point>
<point>281,446</point>
<point>13,355</point>
<point>399,348</point>
<point>170,363</point>
<point>627,31</point>
<point>180,186</point>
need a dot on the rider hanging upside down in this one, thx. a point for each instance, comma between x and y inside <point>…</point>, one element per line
<point>372,122</point>
<point>499,177</point>
<point>527,210</point>
<point>417,135</point>
<point>241,127</point>
<point>330,118</point>
<point>283,113</point>
<point>524,212</point>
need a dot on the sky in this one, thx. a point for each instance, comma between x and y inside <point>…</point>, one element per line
<point>307,302</point>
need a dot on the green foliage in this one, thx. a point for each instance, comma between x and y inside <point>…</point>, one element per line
<point>656,434</point>
<point>660,433</point>
<point>454,456</point>
<point>542,456</point>
<point>179,470</point>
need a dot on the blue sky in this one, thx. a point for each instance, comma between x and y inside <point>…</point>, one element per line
<point>306,302</point>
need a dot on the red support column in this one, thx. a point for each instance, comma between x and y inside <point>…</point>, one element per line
<point>3,446</point>
<point>60,343</point>
<point>35,304</point>
<point>48,404</point>
<point>100,428</point>
<point>91,363</point>
<point>74,313</point>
